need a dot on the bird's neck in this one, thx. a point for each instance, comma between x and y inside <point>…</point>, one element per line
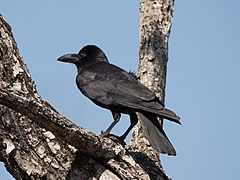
<point>83,66</point>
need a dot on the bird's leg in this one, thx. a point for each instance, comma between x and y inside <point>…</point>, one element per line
<point>116,118</point>
<point>134,120</point>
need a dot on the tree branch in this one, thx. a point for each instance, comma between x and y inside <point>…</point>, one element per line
<point>155,24</point>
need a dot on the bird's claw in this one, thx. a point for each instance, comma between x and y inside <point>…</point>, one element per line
<point>113,137</point>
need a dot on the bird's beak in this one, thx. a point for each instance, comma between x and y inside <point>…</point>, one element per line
<point>70,58</point>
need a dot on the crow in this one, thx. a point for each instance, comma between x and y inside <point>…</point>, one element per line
<point>113,88</point>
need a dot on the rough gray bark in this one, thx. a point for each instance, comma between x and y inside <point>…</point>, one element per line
<point>36,142</point>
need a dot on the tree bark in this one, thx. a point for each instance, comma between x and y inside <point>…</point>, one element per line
<point>36,142</point>
<point>155,24</point>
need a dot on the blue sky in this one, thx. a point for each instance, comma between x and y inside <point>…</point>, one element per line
<point>203,80</point>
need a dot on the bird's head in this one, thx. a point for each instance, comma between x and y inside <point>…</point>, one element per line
<point>87,55</point>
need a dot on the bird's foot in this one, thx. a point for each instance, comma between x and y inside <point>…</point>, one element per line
<point>113,137</point>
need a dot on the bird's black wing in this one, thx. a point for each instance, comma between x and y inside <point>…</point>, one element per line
<point>112,86</point>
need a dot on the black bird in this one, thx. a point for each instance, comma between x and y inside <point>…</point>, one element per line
<point>111,87</point>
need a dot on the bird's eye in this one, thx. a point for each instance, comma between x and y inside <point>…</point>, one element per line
<point>82,55</point>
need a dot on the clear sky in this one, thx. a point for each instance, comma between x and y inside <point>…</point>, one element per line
<point>203,80</point>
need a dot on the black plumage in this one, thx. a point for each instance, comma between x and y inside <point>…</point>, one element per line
<point>113,88</point>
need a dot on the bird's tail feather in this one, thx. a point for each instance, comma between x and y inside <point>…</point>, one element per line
<point>154,133</point>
